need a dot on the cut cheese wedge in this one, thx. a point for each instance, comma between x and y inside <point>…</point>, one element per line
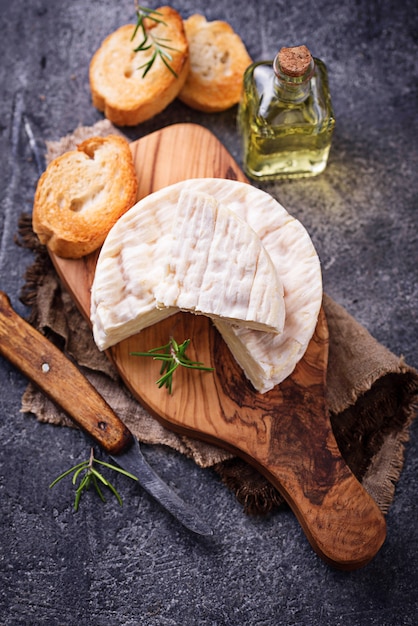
<point>217,266</point>
<point>129,269</point>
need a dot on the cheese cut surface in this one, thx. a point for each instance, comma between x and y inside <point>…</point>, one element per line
<point>129,269</point>
<point>217,266</point>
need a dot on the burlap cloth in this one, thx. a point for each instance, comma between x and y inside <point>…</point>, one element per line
<point>372,394</point>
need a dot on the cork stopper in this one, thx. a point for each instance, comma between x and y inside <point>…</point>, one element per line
<point>295,61</point>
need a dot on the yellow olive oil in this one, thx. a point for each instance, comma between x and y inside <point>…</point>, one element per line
<point>285,117</point>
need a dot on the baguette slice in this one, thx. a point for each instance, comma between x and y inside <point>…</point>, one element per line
<point>81,195</point>
<point>129,270</point>
<point>117,84</point>
<point>217,266</point>
<point>218,59</point>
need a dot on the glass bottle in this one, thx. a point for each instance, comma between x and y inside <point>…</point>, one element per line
<point>285,116</point>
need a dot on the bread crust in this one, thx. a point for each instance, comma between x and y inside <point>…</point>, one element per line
<point>218,59</point>
<point>117,86</point>
<point>81,195</point>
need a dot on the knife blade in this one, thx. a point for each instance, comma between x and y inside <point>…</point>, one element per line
<point>61,380</point>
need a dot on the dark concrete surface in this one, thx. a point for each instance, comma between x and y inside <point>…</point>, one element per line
<point>111,566</point>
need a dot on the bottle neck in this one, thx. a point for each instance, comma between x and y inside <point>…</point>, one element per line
<point>292,88</point>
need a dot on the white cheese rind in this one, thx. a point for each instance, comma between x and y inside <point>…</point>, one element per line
<point>128,268</point>
<point>217,266</point>
<point>133,274</point>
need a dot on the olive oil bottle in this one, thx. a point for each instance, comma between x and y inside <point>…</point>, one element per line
<point>285,116</point>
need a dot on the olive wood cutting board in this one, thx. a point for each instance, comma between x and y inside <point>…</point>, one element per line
<point>285,433</point>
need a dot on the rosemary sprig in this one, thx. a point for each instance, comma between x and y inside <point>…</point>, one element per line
<point>172,356</point>
<point>150,41</point>
<point>88,476</point>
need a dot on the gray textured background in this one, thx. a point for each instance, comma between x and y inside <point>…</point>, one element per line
<point>108,566</point>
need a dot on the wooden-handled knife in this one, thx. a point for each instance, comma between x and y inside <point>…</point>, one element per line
<point>46,366</point>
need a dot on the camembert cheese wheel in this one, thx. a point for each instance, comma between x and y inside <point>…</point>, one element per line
<point>217,266</point>
<point>129,269</point>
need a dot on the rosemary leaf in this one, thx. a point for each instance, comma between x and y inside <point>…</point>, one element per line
<point>115,468</point>
<point>115,493</point>
<point>77,473</point>
<point>84,484</point>
<point>99,476</point>
<point>142,46</point>
<point>64,474</point>
<point>99,491</point>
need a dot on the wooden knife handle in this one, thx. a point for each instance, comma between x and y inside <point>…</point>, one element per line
<point>46,366</point>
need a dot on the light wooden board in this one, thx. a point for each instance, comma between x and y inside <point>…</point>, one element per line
<point>285,433</point>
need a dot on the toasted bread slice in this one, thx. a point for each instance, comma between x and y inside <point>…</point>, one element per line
<point>81,195</point>
<point>117,84</point>
<point>218,59</point>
